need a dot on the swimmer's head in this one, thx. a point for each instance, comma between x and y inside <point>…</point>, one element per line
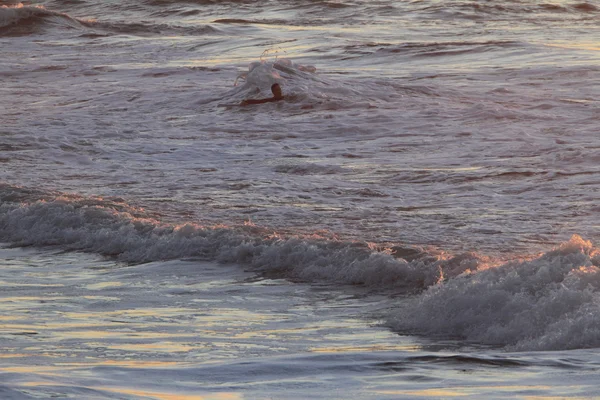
<point>276,89</point>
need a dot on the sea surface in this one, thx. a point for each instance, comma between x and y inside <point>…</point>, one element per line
<point>417,218</point>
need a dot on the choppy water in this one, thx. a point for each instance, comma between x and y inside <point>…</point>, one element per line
<point>429,186</point>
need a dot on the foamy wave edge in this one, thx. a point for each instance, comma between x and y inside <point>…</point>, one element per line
<point>125,233</point>
<point>551,302</point>
<point>548,303</point>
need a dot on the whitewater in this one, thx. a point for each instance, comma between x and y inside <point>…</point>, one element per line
<point>417,218</point>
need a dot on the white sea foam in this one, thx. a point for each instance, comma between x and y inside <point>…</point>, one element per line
<point>114,229</point>
<point>549,303</point>
<point>299,82</point>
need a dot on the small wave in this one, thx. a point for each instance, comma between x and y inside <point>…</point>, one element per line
<point>576,8</point>
<point>448,48</point>
<point>23,20</point>
<point>585,7</point>
<point>320,5</point>
<point>463,360</point>
<point>162,3</point>
<point>548,303</point>
<point>517,11</point>
<point>148,29</point>
<point>308,169</point>
<point>250,21</point>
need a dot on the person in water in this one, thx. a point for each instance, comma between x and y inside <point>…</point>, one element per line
<point>277,95</point>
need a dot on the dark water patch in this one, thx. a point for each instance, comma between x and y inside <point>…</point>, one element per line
<point>367,192</point>
<point>205,69</point>
<point>11,147</point>
<point>585,7</point>
<point>553,7</point>
<point>393,366</point>
<point>508,361</point>
<point>162,3</point>
<point>94,35</point>
<point>462,10</point>
<point>162,74</point>
<point>461,360</point>
<point>408,253</point>
<point>189,13</point>
<point>250,21</point>
<point>22,21</point>
<point>334,4</point>
<point>532,12</point>
<point>501,176</point>
<point>449,48</point>
<point>321,4</point>
<point>51,68</point>
<point>18,194</point>
<point>308,169</point>
<point>31,20</point>
<point>150,29</point>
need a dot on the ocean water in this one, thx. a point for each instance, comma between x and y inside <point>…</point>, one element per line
<point>417,218</point>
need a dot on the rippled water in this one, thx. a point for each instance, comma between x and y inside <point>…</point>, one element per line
<point>437,162</point>
<point>80,326</point>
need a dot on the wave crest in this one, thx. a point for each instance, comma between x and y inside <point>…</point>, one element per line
<point>131,235</point>
<point>24,20</point>
<point>549,303</point>
<point>20,19</point>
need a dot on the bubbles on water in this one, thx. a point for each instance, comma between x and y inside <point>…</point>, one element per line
<point>548,303</point>
<point>271,69</point>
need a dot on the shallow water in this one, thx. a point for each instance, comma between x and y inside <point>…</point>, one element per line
<point>77,325</point>
<point>429,185</point>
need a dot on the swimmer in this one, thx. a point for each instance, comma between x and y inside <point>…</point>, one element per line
<point>277,95</point>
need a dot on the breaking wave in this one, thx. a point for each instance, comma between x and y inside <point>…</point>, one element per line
<point>548,303</point>
<point>551,302</point>
<point>131,235</point>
